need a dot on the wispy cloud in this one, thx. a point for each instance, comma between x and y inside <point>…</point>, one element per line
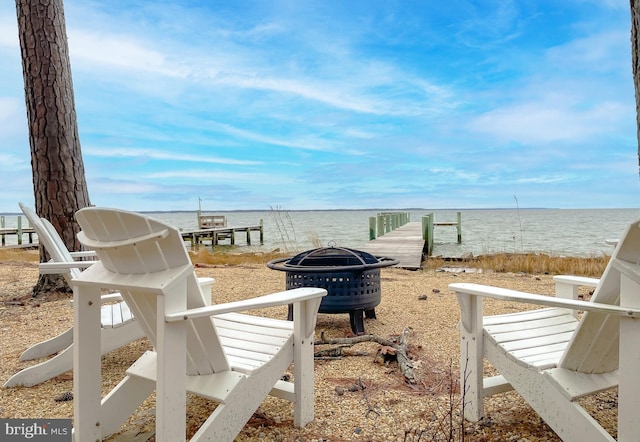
<point>163,155</point>
<point>341,104</point>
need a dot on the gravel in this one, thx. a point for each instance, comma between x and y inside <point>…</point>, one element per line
<point>357,397</point>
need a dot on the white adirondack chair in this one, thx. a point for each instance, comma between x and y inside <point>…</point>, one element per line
<point>118,324</point>
<point>551,356</point>
<point>210,350</point>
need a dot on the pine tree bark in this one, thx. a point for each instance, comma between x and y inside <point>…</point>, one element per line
<point>635,62</point>
<point>59,183</point>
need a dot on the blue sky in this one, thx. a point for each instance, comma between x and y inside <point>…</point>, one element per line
<point>341,104</point>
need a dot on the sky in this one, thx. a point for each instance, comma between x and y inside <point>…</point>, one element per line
<point>308,105</point>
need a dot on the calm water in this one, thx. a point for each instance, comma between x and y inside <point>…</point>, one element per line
<point>560,232</point>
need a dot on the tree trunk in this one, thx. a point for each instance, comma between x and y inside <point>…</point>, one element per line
<point>635,62</point>
<point>56,159</point>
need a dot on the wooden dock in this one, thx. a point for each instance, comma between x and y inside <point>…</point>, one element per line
<point>18,232</point>
<point>213,236</point>
<point>404,243</point>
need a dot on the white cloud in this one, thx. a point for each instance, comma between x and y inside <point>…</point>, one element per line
<point>98,49</point>
<point>162,155</point>
<point>207,176</point>
<point>607,50</point>
<point>556,119</point>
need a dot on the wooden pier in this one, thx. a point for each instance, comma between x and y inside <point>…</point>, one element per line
<point>18,231</point>
<point>404,243</point>
<point>213,236</point>
<point>392,235</point>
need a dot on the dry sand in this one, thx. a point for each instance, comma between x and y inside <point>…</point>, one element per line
<point>387,409</point>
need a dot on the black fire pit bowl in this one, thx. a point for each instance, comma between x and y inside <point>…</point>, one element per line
<point>351,278</point>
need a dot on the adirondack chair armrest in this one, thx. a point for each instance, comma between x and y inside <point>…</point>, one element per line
<point>577,280</point>
<point>549,301</point>
<point>83,254</point>
<point>52,268</point>
<point>271,300</point>
<point>567,285</point>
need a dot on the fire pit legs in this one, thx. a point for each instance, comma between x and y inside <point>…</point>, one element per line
<point>356,322</point>
<point>356,319</point>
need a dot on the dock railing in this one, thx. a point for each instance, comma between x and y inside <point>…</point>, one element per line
<point>385,222</point>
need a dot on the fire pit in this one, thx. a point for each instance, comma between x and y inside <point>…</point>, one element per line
<point>351,278</point>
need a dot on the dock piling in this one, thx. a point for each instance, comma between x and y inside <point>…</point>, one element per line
<point>428,223</point>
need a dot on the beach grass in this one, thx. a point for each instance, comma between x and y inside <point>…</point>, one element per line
<point>529,263</point>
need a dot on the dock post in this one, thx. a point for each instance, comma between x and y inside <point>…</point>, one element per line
<point>2,226</point>
<point>19,230</point>
<point>233,236</point>
<point>248,236</point>
<point>459,227</point>
<point>431,239</point>
<point>261,232</point>
<point>425,232</point>
<point>380,220</point>
<point>372,228</point>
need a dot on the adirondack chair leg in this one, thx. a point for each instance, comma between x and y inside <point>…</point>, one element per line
<point>86,364</point>
<point>171,388</point>
<point>48,369</point>
<point>303,375</point>
<point>122,401</point>
<point>48,347</point>
<point>471,355</point>
<point>629,397</point>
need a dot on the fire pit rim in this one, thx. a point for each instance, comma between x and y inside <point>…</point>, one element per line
<point>282,263</point>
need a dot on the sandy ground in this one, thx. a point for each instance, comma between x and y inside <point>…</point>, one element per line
<point>358,397</point>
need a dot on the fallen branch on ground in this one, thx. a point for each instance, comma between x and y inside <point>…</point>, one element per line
<point>389,350</point>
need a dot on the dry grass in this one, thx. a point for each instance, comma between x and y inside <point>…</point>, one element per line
<point>19,254</point>
<point>534,264</point>
<point>204,256</point>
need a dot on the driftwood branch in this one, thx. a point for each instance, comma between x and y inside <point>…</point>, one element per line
<point>399,350</point>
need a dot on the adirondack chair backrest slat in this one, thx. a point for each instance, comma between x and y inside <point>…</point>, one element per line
<point>61,253</point>
<point>127,245</point>
<point>594,347</point>
<point>49,237</point>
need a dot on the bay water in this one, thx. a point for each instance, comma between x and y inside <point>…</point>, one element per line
<point>557,232</point>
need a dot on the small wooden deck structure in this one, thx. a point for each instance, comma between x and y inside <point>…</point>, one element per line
<point>404,243</point>
<point>213,236</point>
<point>428,223</point>
<point>18,231</point>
